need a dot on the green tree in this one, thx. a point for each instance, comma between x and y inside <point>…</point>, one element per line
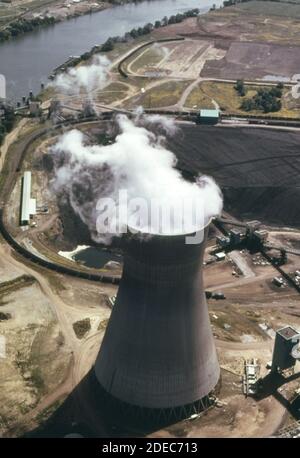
<point>240,87</point>
<point>108,45</point>
<point>248,105</point>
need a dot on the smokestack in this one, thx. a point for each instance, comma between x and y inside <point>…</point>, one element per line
<point>158,355</point>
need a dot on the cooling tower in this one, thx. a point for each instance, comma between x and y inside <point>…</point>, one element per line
<point>158,353</point>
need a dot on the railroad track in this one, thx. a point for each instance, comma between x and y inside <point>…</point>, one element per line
<point>9,182</point>
<point>6,189</point>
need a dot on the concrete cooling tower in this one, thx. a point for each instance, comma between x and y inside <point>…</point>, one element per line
<point>158,356</point>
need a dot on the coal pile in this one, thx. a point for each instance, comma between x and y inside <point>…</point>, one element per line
<point>257,169</point>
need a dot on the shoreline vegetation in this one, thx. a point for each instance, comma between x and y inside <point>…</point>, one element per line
<point>8,118</point>
<point>36,17</point>
<point>133,34</point>
<point>22,24</point>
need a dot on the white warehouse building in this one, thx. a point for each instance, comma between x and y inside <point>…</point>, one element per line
<point>28,205</point>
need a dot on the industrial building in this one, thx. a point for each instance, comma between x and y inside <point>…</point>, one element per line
<point>208,117</point>
<point>158,357</point>
<point>28,205</point>
<point>286,349</point>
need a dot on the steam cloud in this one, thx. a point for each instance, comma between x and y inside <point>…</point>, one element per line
<point>166,124</point>
<point>86,77</point>
<point>137,162</point>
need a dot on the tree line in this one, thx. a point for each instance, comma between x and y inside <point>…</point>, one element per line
<point>21,26</point>
<point>135,33</point>
<point>266,99</point>
<point>234,2</point>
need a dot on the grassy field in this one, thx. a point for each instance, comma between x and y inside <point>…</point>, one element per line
<point>48,93</point>
<point>229,100</point>
<point>121,48</point>
<point>112,93</point>
<point>165,95</point>
<point>148,58</point>
<point>284,8</point>
<point>224,94</point>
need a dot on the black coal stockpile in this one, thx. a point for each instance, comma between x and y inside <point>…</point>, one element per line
<point>257,168</point>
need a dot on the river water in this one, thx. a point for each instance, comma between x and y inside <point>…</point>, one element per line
<point>28,60</point>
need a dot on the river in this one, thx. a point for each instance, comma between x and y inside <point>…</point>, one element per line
<point>28,60</point>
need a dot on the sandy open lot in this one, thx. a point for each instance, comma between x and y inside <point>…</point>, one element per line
<point>183,59</point>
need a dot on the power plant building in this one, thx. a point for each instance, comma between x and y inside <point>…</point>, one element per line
<point>158,356</point>
<point>286,349</point>
<point>28,205</point>
<point>208,117</point>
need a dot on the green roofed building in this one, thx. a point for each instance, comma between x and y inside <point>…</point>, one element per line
<point>208,117</point>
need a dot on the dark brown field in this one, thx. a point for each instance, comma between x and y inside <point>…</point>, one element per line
<point>260,39</point>
<point>255,61</point>
<point>257,169</point>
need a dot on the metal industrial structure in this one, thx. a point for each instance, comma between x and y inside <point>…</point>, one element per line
<point>250,377</point>
<point>158,358</point>
<point>289,432</point>
<point>286,349</point>
<point>28,205</point>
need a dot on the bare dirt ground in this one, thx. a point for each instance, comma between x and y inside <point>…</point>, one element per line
<point>252,47</point>
<point>255,61</point>
<point>235,416</point>
<point>37,355</point>
<point>181,60</point>
<point>243,22</point>
<point>42,348</point>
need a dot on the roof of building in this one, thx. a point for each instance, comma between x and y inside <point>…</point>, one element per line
<point>288,332</point>
<point>220,255</point>
<point>209,113</point>
<point>28,204</point>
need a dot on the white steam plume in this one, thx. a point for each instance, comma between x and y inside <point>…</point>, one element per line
<point>85,78</point>
<point>167,124</point>
<point>163,51</point>
<point>136,162</point>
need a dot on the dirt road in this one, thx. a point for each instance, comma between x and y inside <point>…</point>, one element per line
<point>242,264</point>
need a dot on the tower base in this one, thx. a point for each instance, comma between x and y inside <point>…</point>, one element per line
<point>143,420</point>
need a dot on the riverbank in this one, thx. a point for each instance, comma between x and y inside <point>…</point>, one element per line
<point>173,64</point>
<point>57,11</point>
<point>28,60</point>
<point>25,16</point>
